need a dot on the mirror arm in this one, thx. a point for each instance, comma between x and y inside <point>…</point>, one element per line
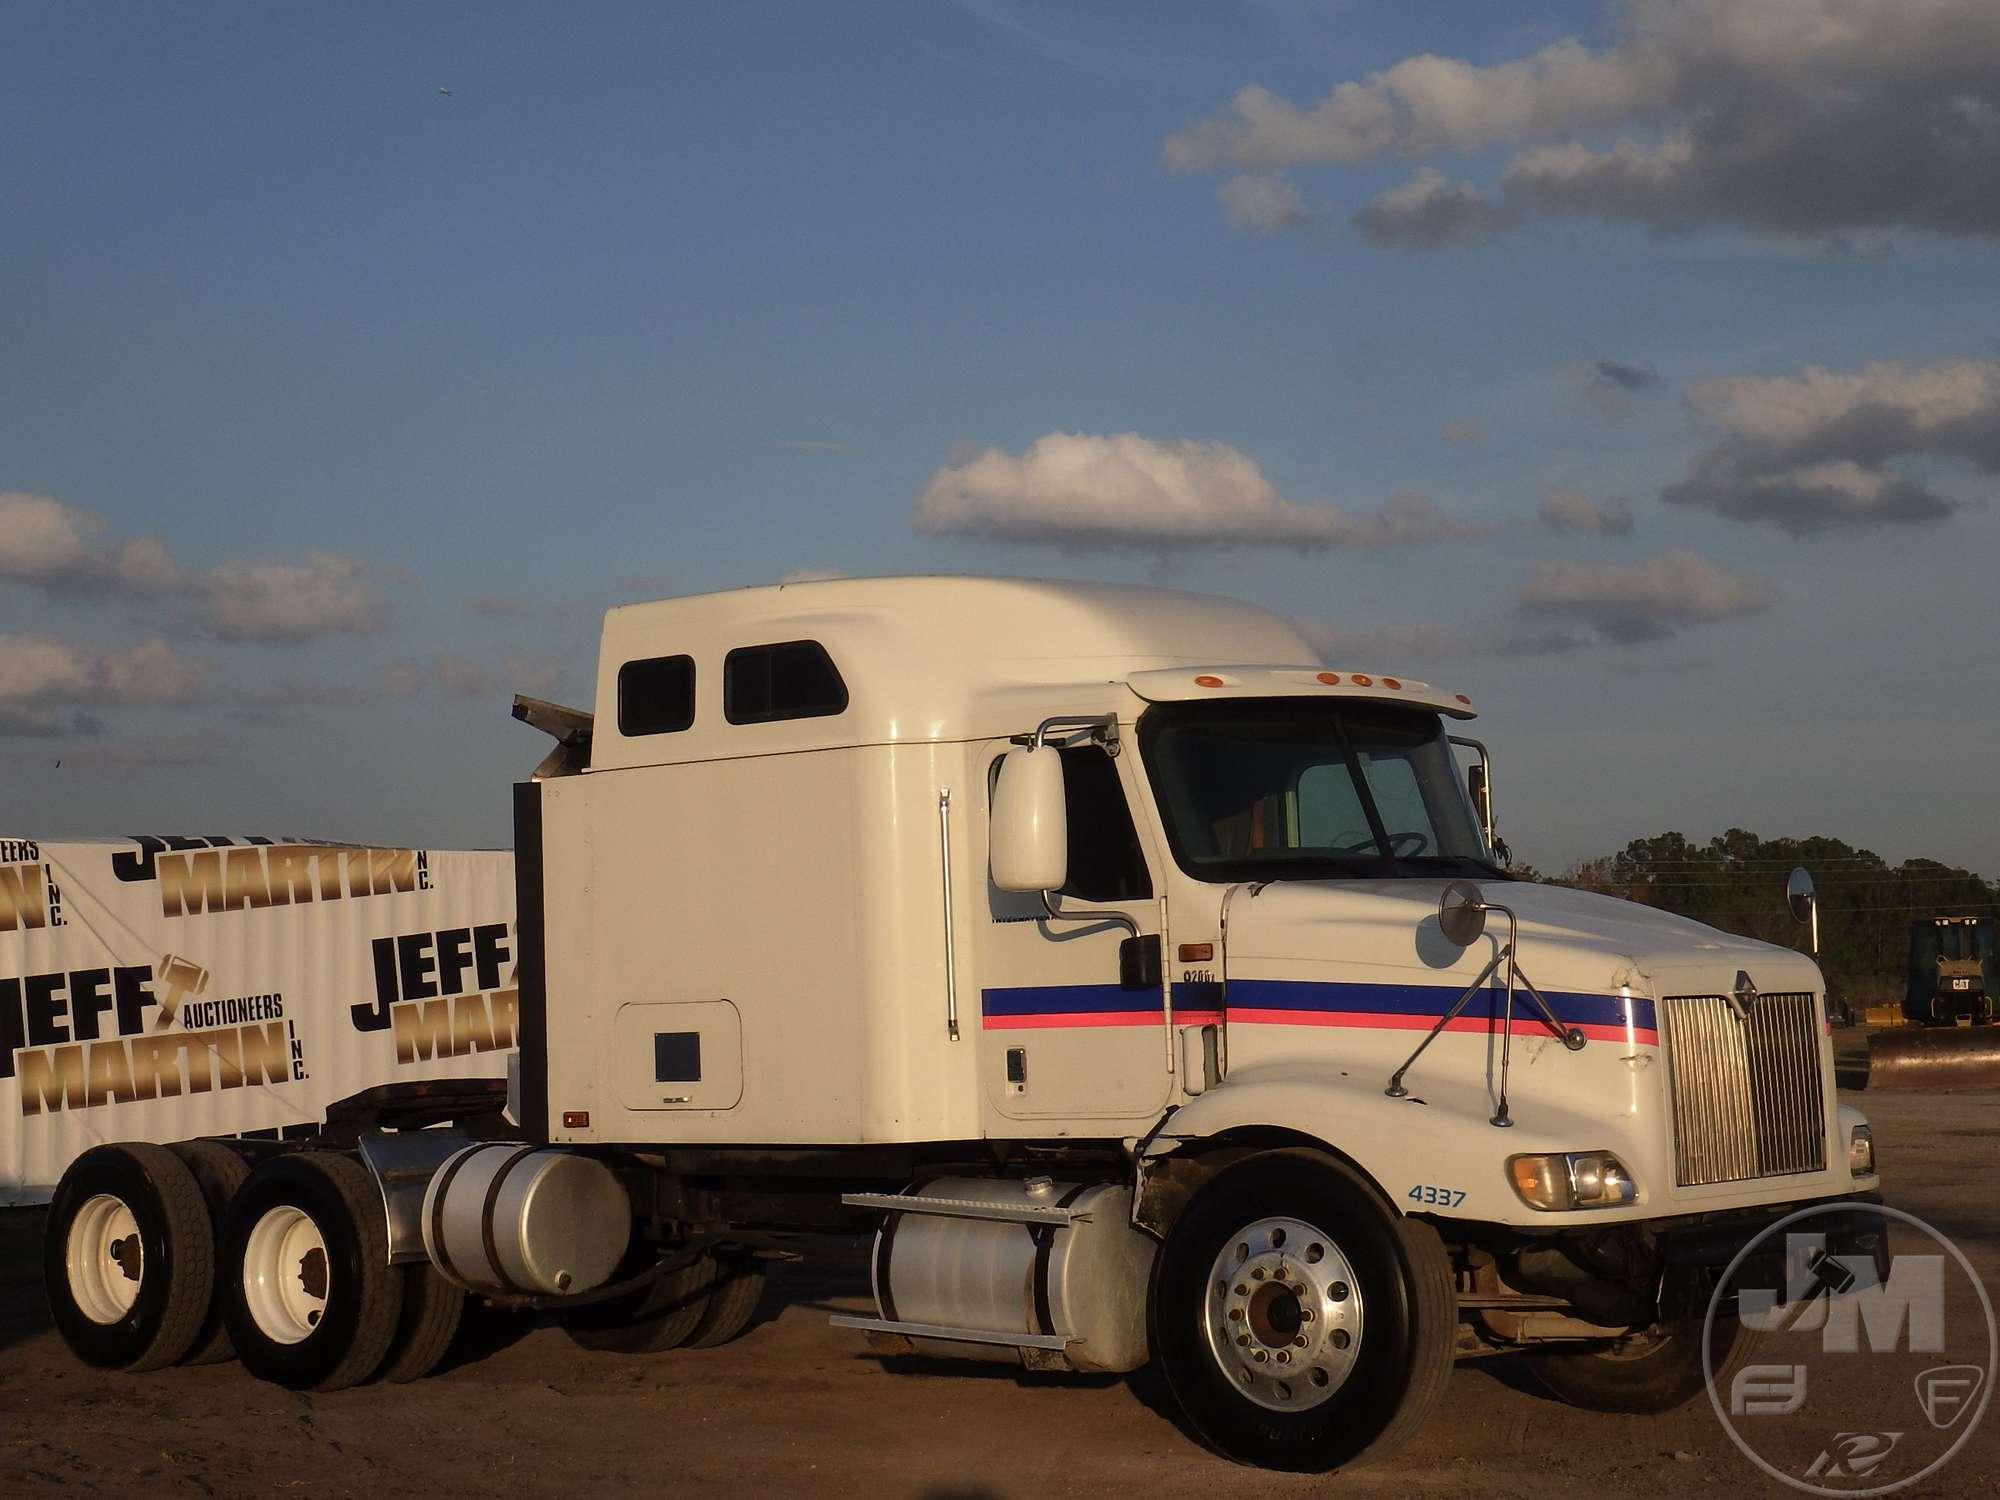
<point>1105,725</point>
<point>1106,734</point>
<point>1095,915</point>
<point>1485,765</point>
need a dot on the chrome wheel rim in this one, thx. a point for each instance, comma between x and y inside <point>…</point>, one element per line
<point>105,1259</point>
<point>1283,1312</point>
<point>285,1274</point>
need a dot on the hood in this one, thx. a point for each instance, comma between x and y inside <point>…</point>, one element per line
<point>1569,940</point>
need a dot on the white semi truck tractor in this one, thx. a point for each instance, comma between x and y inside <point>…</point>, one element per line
<point>1147,991</point>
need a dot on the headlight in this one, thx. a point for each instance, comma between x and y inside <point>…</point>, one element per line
<point>1861,1151</point>
<point>1576,1179</point>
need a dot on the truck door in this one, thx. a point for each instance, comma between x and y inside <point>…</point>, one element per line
<point>1060,1035</point>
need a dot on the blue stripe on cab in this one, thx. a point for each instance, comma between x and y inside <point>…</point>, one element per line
<point>1427,1001</point>
<point>1430,1001</point>
<point>1068,999</point>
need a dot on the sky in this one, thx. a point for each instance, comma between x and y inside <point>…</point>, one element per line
<point>1633,367</point>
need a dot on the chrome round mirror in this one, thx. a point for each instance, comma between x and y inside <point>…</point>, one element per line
<point>1799,895</point>
<point>1462,913</point>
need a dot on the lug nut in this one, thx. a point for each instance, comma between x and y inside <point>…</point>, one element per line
<point>1305,1315</point>
<point>1284,1358</point>
<point>1257,1274</point>
<point>1262,1356</point>
<point>1242,1338</point>
<point>1299,1342</point>
<point>1242,1290</point>
<point>1236,1315</point>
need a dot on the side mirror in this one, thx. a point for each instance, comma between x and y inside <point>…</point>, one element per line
<point>1462,913</point>
<point>1028,842</point>
<point>1799,895</point>
<point>1482,801</point>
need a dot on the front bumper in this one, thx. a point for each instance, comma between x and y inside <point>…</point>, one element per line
<point>1711,1242</point>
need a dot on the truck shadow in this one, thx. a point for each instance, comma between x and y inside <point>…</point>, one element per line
<point>24,1312</point>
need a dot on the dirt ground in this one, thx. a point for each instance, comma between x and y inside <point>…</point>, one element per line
<point>798,1407</point>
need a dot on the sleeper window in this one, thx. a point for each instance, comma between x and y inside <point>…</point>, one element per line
<point>791,680</point>
<point>656,696</point>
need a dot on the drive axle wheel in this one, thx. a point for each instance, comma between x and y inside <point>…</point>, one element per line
<point>310,1298</point>
<point>732,1303</point>
<point>661,1315</point>
<point>218,1172</point>
<point>1299,1321</point>
<point>129,1258</point>
<point>1644,1373</point>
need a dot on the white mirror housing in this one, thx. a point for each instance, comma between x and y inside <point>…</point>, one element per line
<point>1029,838</point>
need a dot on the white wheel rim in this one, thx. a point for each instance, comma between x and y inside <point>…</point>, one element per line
<point>106,1259</point>
<point>285,1275</point>
<point>1283,1314</point>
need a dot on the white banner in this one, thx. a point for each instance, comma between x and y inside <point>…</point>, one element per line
<point>159,989</point>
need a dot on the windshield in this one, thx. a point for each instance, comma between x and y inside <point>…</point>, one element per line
<point>1291,789</point>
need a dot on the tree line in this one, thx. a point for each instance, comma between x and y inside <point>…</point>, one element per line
<point>1736,881</point>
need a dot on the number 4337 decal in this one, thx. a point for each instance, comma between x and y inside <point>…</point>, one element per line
<point>1442,1197</point>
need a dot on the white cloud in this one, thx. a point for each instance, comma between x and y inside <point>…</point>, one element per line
<point>1644,600</point>
<point>1124,490</point>
<point>42,669</point>
<point>272,601</point>
<point>41,537</point>
<point>1812,452</point>
<point>55,545</point>
<point>1812,118</point>
<point>1382,647</point>
<point>811,575</point>
<point>1432,210</point>
<point>1574,511</point>
<point>1264,203</point>
<point>144,562</point>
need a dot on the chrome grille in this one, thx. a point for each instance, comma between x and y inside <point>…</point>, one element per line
<point>1748,1096</point>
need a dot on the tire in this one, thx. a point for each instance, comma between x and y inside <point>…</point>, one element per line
<point>732,1303</point>
<point>428,1322</point>
<point>1655,1373</point>
<point>218,1171</point>
<point>309,1296</point>
<point>658,1317</point>
<point>1380,1282</point>
<point>128,1259</point>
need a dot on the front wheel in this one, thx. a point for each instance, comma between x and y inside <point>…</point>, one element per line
<point>1299,1321</point>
